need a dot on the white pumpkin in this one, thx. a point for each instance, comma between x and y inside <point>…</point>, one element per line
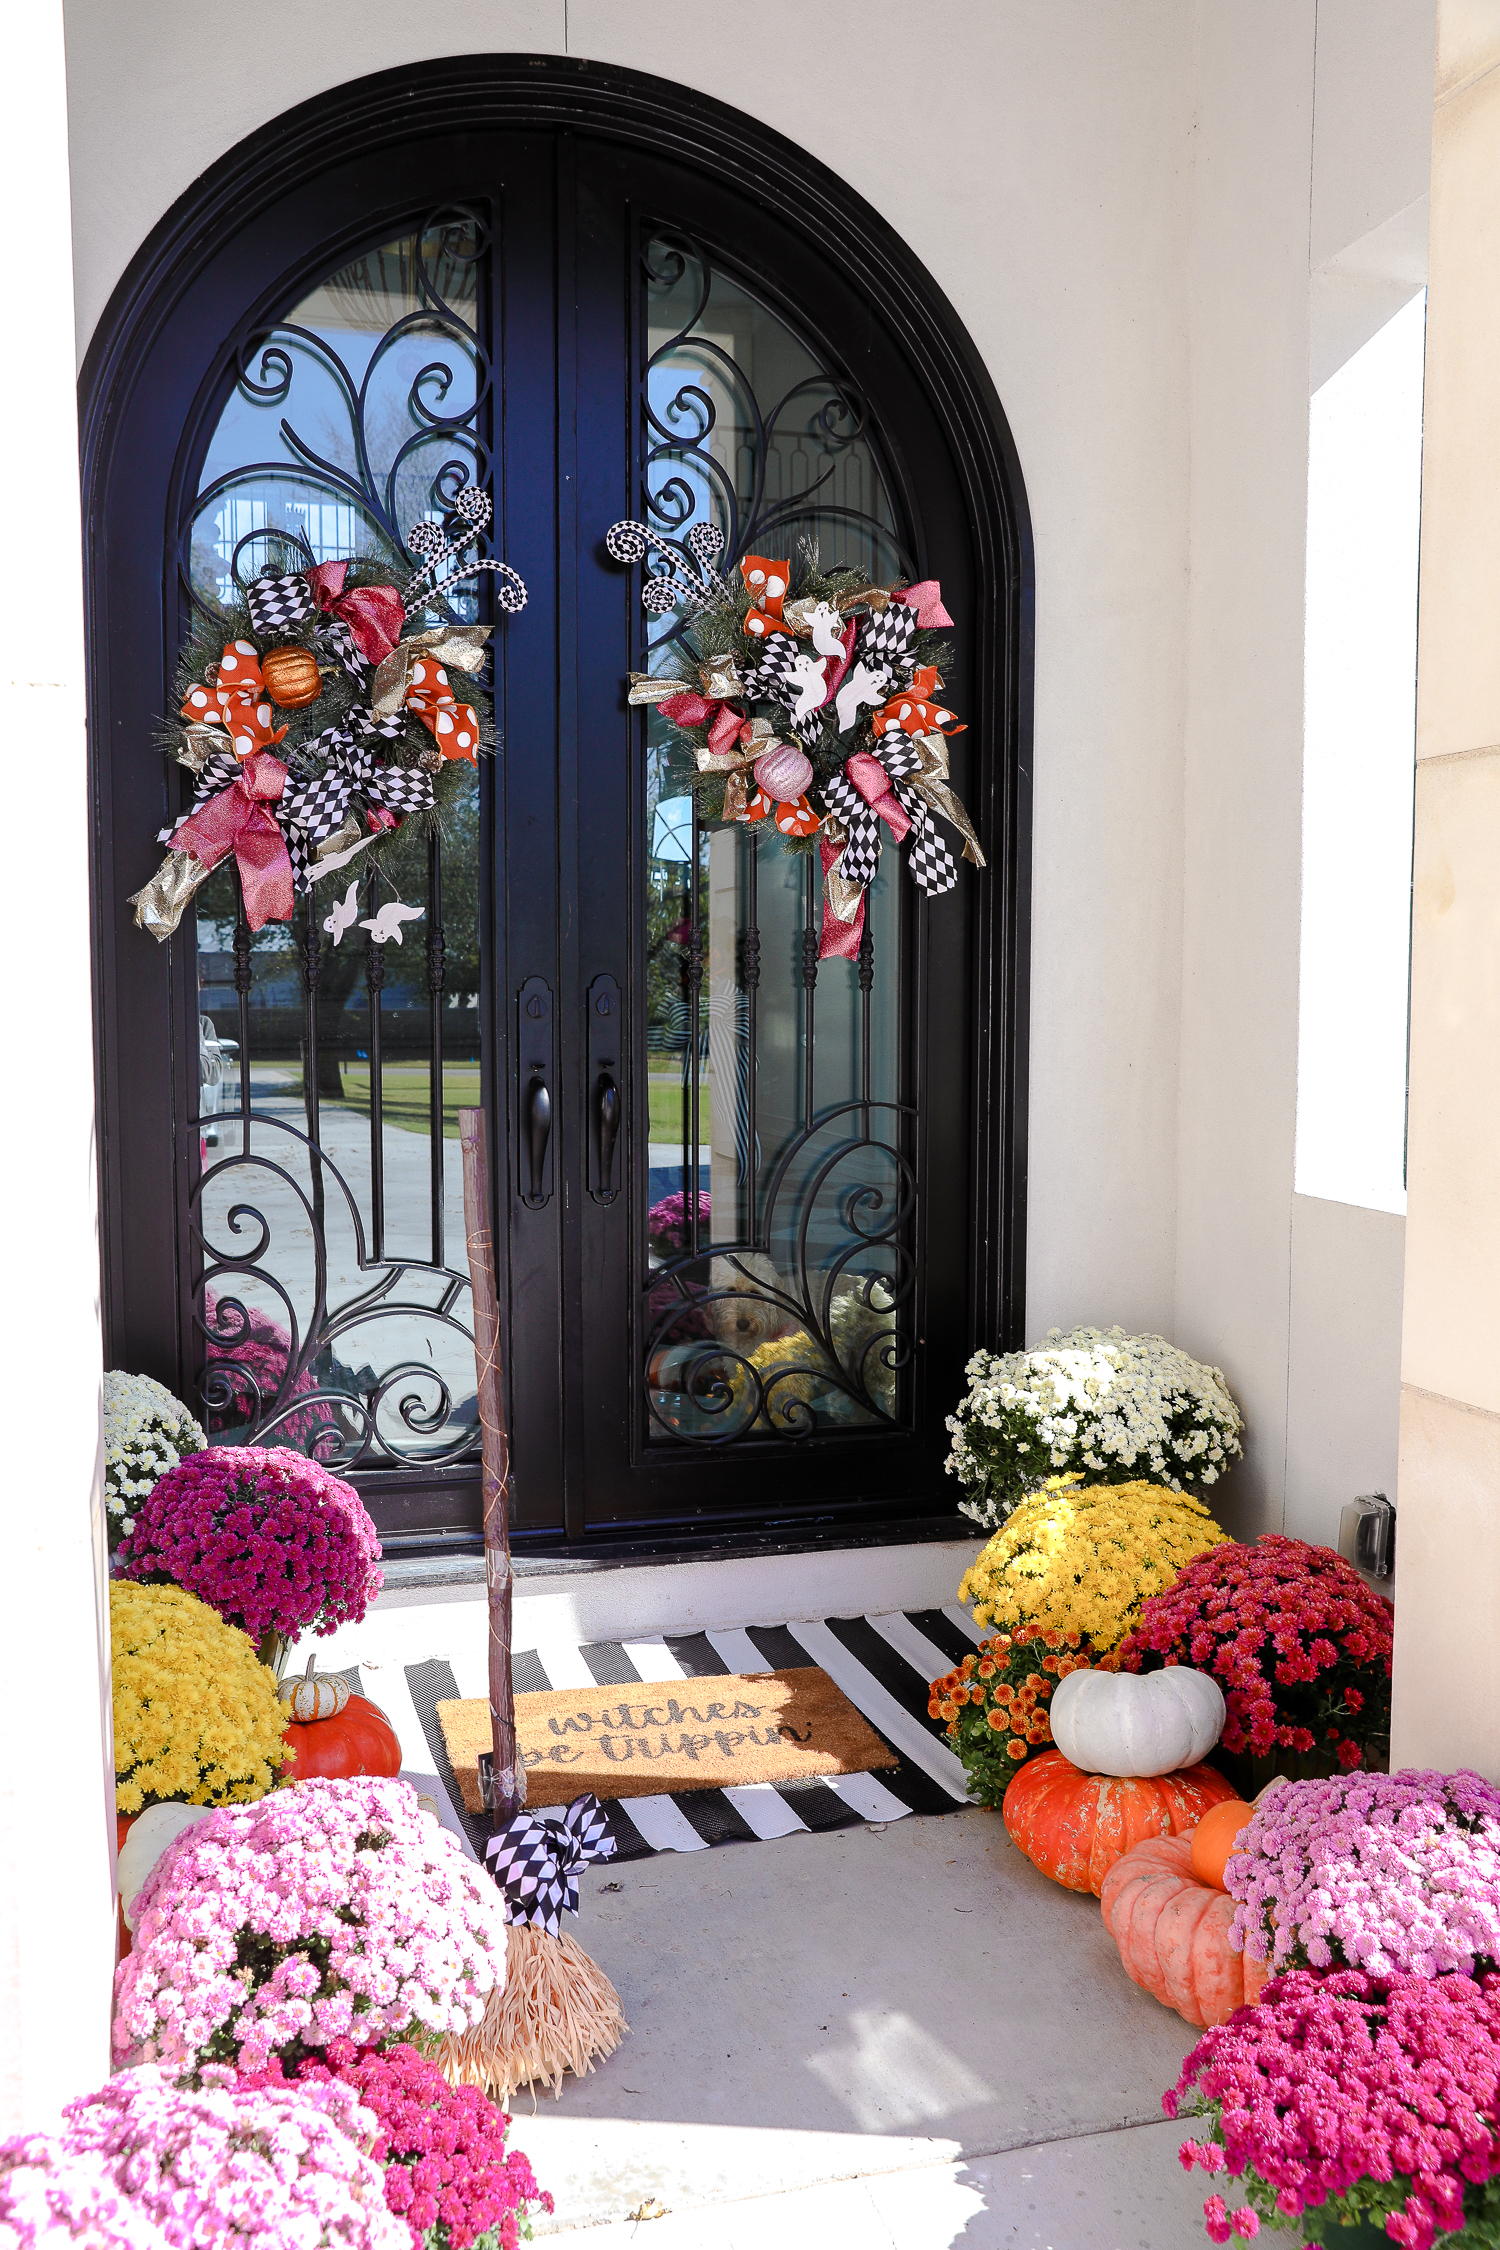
<point>315,1695</point>
<point>1136,1723</point>
<point>150,1834</point>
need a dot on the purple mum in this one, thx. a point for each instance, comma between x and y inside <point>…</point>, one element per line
<point>271,1540</point>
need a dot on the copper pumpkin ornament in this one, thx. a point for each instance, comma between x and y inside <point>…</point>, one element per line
<point>291,677</point>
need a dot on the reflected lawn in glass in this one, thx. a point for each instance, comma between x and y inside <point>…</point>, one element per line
<point>407,1094</point>
<point>669,1108</point>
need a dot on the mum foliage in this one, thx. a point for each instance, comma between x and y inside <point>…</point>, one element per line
<point>1079,1558</point>
<point>1109,1406</point>
<point>447,2174</point>
<point>146,1432</point>
<point>332,1910</point>
<point>1299,1643</point>
<point>273,1540</point>
<point>196,1716</point>
<point>1353,2098</point>
<point>995,1703</point>
<point>148,2165</point>
<point>1382,1872</point>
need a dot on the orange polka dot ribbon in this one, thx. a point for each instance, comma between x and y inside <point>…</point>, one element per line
<point>767,582</point>
<point>454,726</point>
<point>915,709</point>
<point>237,701</point>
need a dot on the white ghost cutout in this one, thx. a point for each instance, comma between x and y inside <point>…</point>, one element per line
<point>861,687</point>
<point>827,629</point>
<point>807,675</point>
<point>345,911</point>
<point>387,923</point>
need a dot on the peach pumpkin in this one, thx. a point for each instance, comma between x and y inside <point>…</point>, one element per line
<point>1074,1825</point>
<point>1173,1933</point>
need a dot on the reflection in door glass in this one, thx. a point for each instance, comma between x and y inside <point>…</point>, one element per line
<point>329,1311</point>
<point>780,1186</point>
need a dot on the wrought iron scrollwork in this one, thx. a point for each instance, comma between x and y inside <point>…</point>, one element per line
<point>683,542</point>
<point>365,478</point>
<point>289,1382</point>
<point>738,1345</point>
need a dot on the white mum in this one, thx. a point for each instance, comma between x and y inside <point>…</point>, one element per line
<point>1095,1401</point>
<point>146,1432</point>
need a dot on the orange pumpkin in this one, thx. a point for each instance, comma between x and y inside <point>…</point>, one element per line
<point>1215,1837</point>
<point>1173,1933</point>
<point>1074,1826</point>
<point>357,1739</point>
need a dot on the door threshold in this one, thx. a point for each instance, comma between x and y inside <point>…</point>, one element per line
<point>421,1564</point>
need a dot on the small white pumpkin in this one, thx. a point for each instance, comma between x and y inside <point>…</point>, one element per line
<point>1136,1723</point>
<point>150,1834</point>
<point>317,1695</point>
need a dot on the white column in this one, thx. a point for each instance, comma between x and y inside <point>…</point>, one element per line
<point>1447,1678</point>
<point>56,1762</point>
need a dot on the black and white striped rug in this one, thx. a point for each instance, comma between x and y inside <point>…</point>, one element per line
<point>883,1664</point>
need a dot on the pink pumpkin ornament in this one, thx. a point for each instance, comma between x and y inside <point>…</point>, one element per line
<point>784,772</point>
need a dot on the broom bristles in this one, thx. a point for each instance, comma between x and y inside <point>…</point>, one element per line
<point>557,2012</point>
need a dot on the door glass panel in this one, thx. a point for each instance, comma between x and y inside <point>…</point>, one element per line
<point>329,1314</point>
<point>780,1190</point>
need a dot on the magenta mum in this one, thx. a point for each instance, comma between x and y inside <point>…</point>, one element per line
<point>1351,2098</point>
<point>273,1541</point>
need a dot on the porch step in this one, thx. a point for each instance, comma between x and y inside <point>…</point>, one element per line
<point>588,1600</point>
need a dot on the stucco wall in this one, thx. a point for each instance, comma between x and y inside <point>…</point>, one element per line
<point>1118,199</point>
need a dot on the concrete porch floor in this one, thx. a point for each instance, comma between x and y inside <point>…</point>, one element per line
<point>903,2037</point>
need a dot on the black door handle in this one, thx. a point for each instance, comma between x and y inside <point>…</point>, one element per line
<point>538,1132</point>
<point>607,1109</point>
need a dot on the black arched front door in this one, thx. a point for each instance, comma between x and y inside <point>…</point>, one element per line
<point>753,1209</point>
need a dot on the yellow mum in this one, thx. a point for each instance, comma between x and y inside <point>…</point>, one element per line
<point>1082,1558</point>
<point>196,1716</point>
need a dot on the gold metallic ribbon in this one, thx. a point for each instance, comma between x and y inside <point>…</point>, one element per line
<point>735,764</point>
<point>843,896</point>
<point>718,680</point>
<point>159,904</point>
<point>456,647</point>
<point>931,781</point>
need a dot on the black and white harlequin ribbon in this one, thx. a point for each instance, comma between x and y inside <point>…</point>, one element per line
<point>770,672</point>
<point>928,857</point>
<point>278,605</point>
<point>314,809</point>
<point>886,639</point>
<point>536,1862</point>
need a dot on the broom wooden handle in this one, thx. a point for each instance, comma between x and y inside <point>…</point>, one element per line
<point>509,1792</point>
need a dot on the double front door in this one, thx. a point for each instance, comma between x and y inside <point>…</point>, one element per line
<point>733,1183</point>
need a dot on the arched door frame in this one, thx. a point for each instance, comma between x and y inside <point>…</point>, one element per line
<point>672,121</point>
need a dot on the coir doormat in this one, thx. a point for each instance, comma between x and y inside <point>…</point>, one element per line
<point>642,1741</point>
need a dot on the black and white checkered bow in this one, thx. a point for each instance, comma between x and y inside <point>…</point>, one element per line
<point>278,605</point>
<point>928,857</point>
<point>536,1862</point>
<point>887,640</point>
<point>314,809</point>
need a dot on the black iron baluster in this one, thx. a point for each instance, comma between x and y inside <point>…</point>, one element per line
<point>811,888</point>
<point>695,987</point>
<point>866,983</point>
<point>242,982</point>
<point>750,974</point>
<point>374,981</point>
<point>312,969</point>
<point>435,1062</point>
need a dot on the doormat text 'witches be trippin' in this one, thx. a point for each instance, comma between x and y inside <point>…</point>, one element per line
<point>709,1733</point>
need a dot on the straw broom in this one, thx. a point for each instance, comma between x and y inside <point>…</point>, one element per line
<point>557,2010</point>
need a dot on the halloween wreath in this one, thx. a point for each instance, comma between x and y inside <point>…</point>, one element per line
<point>317,715</point>
<point>813,700</point>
